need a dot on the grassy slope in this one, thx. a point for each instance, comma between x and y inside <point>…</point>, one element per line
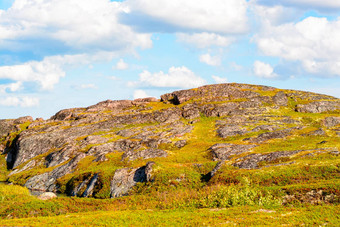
<point>178,195</point>
<point>316,216</point>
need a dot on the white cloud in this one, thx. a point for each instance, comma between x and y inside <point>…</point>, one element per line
<point>236,66</point>
<point>45,73</point>
<point>50,70</point>
<point>210,60</point>
<point>276,14</point>
<point>179,77</point>
<point>75,25</point>
<point>219,80</point>
<point>216,16</point>
<point>264,70</point>
<point>121,65</point>
<point>13,87</point>
<point>314,42</point>
<point>138,94</point>
<point>19,101</point>
<point>315,4</point>
<point>204,39</point>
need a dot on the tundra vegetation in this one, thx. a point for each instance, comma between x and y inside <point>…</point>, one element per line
<point>215,155</point>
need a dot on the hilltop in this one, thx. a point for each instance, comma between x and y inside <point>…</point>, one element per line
<point>199,147</point>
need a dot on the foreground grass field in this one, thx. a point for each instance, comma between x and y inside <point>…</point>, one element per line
<point>244,215</point>
<point>240,208</point>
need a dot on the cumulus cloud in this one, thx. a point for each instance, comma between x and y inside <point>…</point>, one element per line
<point>50,70</point>
<point>216,16</point>
<point>12,87</point>
<point>177,77</point>
<point>236,66</point>
<point>219,80</point>
<point>69,25</point>
<point>19,101</point>
<point>309,4</point>
<point>276,14</point>
<point>205,39</point>
<point>313,42</point>
<point>45,73</point>
<point>264,70</point>
<point>210,60</point>
<point>138,94</point>
<point>121,65</point>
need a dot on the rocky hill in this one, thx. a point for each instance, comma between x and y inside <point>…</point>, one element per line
<point>215,134</point>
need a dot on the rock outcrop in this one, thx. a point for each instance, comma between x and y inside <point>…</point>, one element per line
<point>124,179</point>
<point>81,147</point>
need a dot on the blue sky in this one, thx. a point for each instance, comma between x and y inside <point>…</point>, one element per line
<point>57,54</point>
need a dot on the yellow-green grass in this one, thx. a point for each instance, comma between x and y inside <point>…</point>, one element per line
<point>245,216</point>
<point>3,168</point>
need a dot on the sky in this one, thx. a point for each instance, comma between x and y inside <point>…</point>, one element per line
<point>58,54</point>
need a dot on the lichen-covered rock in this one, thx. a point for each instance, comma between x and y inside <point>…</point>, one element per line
<point>330,122</point>
<point>216,92</point>
<point>252,161</point>
<point>46,181</point>
<point>318,107</point>
<point>234,130</point>
<point>89,189</point>
<point>144,154</point>
<point>318,132</point>
<point>60,156</point>
<point>224,151</point>
<point>63,115</point>
<point>11,125</point>
<point>280,99</point>
<point>271,135</point>
<point>190,111</point>
<point>116,105</point>
<point>28,166</point>
<point>125,179</point>
<point>180,143</point>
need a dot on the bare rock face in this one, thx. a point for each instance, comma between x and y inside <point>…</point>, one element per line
<point>60,156</point>
<point>144,154</point>
<point>280,99</point>
<point>89,189</point>
<point>251,161</point>
<point>64,115</point>
<point>11,126</point>
<point>126,178</point>
<point>227,131</point>
<point>143,100</point>
<point>190,111</point>
<point>271,135</point>
<point>217,92</point>
<point>116,105</point>
<point>223,151</point>
<point>318,107</point>
<point>46,181</point>
<point>330,122</point>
